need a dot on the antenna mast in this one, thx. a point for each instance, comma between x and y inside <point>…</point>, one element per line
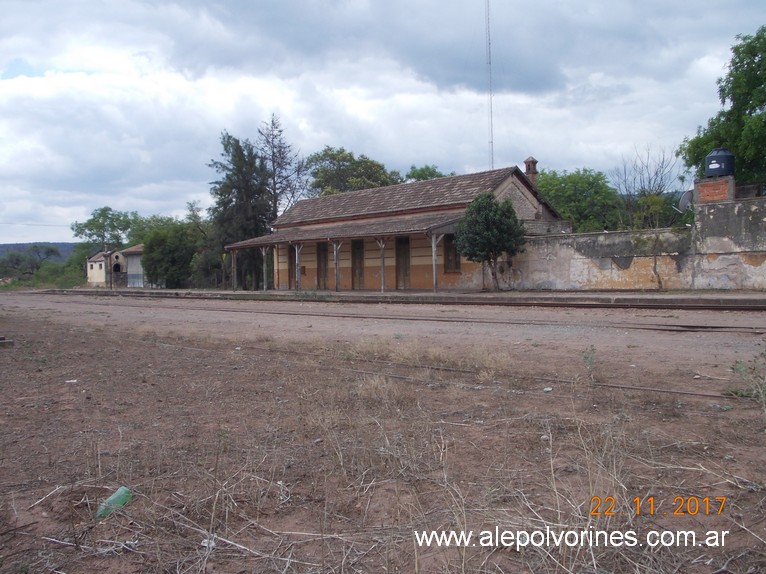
<point>489,74</point>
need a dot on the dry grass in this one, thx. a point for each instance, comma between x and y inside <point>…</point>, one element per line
<point>273,462</point>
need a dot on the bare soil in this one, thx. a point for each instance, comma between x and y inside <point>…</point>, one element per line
<point>318,437</point>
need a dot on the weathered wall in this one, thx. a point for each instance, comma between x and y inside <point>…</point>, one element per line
<point>726,249</point>
<point>625,260</point>
<point>731,243</point>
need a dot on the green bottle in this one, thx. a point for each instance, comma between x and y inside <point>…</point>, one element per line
<point>120,498</point>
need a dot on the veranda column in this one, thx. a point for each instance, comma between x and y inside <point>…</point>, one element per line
<point>264,251</point>
<point>298,249</point>
<point>336,258</point>
<point>234,270</point>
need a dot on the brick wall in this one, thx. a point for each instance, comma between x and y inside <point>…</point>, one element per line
<point>714,189</point>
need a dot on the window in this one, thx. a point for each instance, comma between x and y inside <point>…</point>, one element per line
<point>100,266</point>
<point>91,266</point>
<point>451,255</point>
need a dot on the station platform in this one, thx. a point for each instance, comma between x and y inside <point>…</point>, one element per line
<point>733,300</point>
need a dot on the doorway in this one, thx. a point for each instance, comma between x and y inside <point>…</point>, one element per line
<point>321,265</point>
<point>357,264</point>
<point>402,262</point>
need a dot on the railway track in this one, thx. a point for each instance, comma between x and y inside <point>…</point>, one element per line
<point>327,311</point>
<point>426,373</point>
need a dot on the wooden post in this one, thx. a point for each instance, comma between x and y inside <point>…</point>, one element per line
<point>382,245</point>
<point>336,258</point>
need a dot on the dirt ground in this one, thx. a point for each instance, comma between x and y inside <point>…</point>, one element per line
<point>320,437</point>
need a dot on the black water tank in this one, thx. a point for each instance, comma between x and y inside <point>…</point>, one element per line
<point>719,162</point>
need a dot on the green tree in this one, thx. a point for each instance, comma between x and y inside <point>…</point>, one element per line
<point>425,173</point>
<point>140,227</point>
<point>489,229</point>
<point>207,269</point>
<point>584,197</point>
<point>106,229</point>
<point>741,125</point>
<point>243,206</point>
<point>34,266</point>
<point>168,253</point>
<point>335,170</point>
<point>18,264</point>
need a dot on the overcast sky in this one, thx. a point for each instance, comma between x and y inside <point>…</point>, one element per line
<point>123,103</point>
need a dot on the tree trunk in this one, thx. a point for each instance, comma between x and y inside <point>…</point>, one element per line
<point>493,272</point>
<point>656,248</point>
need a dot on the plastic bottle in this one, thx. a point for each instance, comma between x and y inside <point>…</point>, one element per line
<point>120,498</point>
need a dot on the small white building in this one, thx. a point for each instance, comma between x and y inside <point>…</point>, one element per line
<point>116,269</point>
<point>97,269</point>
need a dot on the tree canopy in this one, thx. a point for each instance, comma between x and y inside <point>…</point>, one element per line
<point>27,261</point>
<point>168,253</point>
<point>243,205</point>
<point>424,173</point>
<point>584,197</point>
<point>741,125</point>
<point>335,170</point>
<point>106,229</point>
<point>140,227</point>
<point>489,229</point>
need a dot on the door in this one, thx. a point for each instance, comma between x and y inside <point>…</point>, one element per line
<point>402,262</point>
<point>357,264</point>
<point>321,265</point>
<point>290,267</point>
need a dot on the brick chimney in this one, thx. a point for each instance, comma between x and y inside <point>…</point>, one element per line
<point>530,170</point>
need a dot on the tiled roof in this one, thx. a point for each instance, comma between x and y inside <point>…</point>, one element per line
<point>134,250</point>
<point>381,227</point>
<point>438,193</point>
<point>100,256</point>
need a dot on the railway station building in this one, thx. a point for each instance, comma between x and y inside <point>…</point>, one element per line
<point>396,237</point>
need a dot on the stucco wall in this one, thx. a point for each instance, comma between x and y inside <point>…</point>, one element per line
<point>726,249</point>
<point>731,241</point>
<point>625,260</point>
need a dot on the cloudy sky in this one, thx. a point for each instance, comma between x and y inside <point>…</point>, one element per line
<point>123,103</point>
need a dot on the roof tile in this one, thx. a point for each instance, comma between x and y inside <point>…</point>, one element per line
<point>437,193</point>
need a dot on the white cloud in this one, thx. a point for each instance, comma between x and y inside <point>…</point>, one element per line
<point>123,105</point>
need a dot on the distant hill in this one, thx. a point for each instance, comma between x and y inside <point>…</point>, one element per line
<point>66,249</point>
